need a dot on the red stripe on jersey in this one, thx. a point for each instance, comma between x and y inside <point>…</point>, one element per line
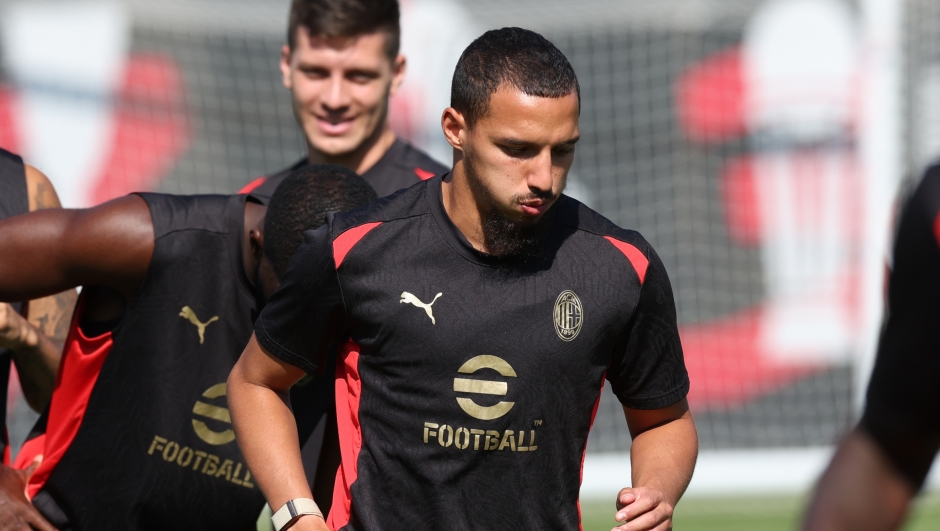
<point>81,363</point>
<point>248,188</point>
<point>423,174</point>
<point>347,240</point>
<point>635,256</point>
<point>597,403</point>
<point>348,394</point>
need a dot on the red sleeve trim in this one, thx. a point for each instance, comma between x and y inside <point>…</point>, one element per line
<point>250,187</point>
<point>347,240</point>
<point>423,174</point>
<point>636,257</point>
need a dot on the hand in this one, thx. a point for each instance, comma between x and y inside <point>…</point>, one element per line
<point>643,509</point>
<point>16,512</point>
<point>15,331</point>
<point>309,523</point>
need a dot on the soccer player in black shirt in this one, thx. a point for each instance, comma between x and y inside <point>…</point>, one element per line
<point>882,464</point>
<point>341,65</point>
<point>31,335</point>
<point>478,315</point>
<point>137,435</point>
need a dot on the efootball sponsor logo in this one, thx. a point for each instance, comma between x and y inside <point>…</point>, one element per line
<point>568,315</point>
<point>477,438</point>
<point>484,387</point>
<point>216,415</point>
<point>212,424</point>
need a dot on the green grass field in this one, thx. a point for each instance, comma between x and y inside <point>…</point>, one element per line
<point>748,514</point>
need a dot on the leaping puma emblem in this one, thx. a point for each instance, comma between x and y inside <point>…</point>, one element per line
<point>188,313</point>
<point>408,298</point>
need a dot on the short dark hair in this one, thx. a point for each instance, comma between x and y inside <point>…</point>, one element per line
<point>519,57</point>
<point>346,18</point>
<point>301,202</point>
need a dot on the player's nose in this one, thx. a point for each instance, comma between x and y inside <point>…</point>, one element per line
<point>540,173</point>
<point>337,97</point>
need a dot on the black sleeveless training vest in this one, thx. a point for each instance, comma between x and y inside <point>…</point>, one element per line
<point>14,200</point>
<point>155,449</point>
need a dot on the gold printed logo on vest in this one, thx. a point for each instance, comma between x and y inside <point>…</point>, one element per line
<point>484,387</point>
<point>408,298</point>
<point>568,315</point>
<point>188,314</point>
<point>213,413</point>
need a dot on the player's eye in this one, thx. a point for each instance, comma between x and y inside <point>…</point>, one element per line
<point>315,73</point>
<point>564,150</point>
<point>361,77</point>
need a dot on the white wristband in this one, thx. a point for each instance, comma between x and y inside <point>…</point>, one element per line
<point>292,510</point>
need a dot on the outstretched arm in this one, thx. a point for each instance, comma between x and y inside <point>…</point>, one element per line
<point>266,430</point>
<point>49,251</point>
<point>665,447</point>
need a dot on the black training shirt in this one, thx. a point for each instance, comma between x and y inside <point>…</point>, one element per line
<point>400,167</point>
<point>467,384</point>
<point>902,411</point>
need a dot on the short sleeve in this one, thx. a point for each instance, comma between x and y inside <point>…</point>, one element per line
<point>647,370</point>
<point>902,411</point>
<point>306,313</point>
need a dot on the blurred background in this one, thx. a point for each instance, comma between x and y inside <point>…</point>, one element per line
<point>760,145</point>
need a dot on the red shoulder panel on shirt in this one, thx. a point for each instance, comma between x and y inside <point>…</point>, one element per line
<point>423,174</point>
<point>347,240</point>
<point>248,188</point>
<point>635,256</point>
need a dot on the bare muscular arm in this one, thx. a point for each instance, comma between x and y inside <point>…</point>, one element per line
<point>663,455</point>
<point>265,428</point>
<point>49,251</point>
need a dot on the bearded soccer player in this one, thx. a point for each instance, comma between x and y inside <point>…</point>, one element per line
<point>33,343</point>
<point>341,65</point>
<point>478,313</point>
<point>881,465</point>
<point>137,435</point>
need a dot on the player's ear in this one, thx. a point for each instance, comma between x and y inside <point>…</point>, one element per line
<point>398,73</point>
<point>455,127</point>
<point>285,67</point>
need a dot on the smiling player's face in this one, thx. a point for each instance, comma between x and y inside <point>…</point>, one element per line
<point>340,88</point>
<point>518,155</point>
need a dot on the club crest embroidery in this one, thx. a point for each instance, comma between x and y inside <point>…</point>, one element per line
<point>568,315</point>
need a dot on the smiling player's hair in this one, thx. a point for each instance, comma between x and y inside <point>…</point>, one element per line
<point>301,202</point>
<point>518,57</point>
<point>346,18</point>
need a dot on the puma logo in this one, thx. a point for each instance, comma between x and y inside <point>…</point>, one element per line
<point>408,298</point>
<point>189,314</point>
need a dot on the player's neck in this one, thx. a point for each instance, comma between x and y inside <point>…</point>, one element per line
<point>360,160</point>
<point>462,208</point>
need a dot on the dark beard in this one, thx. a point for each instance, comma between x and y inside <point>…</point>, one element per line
<point>506,238</point>
<point>502,236</point>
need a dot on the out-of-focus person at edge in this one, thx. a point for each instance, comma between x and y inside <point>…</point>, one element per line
<point>31,337</point>
<point>882,464</point>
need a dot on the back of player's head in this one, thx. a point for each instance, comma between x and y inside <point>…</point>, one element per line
<point>514,56</point>
<point>301,202</point>
<point>346,18</point>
